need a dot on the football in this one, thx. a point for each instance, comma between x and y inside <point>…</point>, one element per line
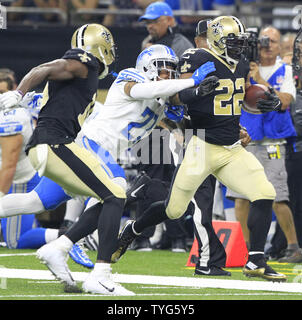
<point>252,94</point>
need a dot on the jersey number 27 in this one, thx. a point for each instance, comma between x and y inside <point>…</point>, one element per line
<point>150,119</point>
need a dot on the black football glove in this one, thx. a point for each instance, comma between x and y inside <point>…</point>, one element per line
<point>207,86</point>
<point>272,103</point>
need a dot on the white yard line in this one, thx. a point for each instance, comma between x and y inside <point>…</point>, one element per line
<point>160,281</point>
<point>147,294</point>
<point>17,254</point>
<point>211,283</point>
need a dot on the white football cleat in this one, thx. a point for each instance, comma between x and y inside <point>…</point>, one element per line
<point>102,284</point>
<point>55,260</point>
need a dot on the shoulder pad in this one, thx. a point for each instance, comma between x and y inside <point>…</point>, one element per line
<point>131,74</point>
<point>191,51</point>
<point>82,56</point>
<point>191,59</point>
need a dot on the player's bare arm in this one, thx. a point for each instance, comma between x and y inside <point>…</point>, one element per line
<point>59,70</point>
<point>11,147</point>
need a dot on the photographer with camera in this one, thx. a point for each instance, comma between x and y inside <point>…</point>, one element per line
<point>269,132</point>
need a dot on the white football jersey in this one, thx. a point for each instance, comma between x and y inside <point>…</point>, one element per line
<point>18,121</point>
<point>123,121</point>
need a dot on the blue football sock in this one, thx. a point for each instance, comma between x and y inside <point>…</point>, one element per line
<point>32,239</point>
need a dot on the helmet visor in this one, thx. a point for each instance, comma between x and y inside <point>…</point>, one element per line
<point>235,45</point>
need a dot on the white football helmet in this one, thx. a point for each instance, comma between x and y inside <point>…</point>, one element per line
<point>155,58</point>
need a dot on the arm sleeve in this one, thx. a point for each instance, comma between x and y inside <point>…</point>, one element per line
<point>158,89</point>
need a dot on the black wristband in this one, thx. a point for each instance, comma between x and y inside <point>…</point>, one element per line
<point>188,95</point>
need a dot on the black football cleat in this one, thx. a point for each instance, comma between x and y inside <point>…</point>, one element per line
<point>211,271</point>
<point>260,269</point>
<point>125,238</point>
<point>136,189</point>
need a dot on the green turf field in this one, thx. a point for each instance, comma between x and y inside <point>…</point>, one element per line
<point>168,279</point>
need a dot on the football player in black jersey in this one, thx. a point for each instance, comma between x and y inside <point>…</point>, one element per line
<point>68,99</point>
<point>215,147</point>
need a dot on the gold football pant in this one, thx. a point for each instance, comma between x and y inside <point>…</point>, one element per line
<point>75,169</point>
<point>235,167</point>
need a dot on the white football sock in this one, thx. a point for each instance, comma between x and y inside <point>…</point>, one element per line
<point>74,207</point>
<point>63,243</point>
<point>51,234</point>
<point>101,268</point>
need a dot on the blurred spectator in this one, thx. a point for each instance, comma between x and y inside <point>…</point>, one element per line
<point>70,6</point>
<point>11,74</point>
<point>226,7</point>
<point>249,13</point>
<point>124,20</point>
<point>163,29</point>
<point>192,5</point>
<point>28,18</point>
<point>269,132</point>
<point>244,8</point>
<point>6,83</point>
<point>287,44</point>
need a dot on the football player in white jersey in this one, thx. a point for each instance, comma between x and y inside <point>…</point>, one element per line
<point>136,102</point>
<point>17,177</point>
<point>17,174</point>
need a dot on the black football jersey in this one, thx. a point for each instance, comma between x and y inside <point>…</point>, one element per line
<point>219,112</point>
<point>66,104</point>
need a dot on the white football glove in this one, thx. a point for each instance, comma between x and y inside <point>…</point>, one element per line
<point>10,99</point>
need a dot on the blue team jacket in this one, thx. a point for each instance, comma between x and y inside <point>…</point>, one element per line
<point>272,125</point>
